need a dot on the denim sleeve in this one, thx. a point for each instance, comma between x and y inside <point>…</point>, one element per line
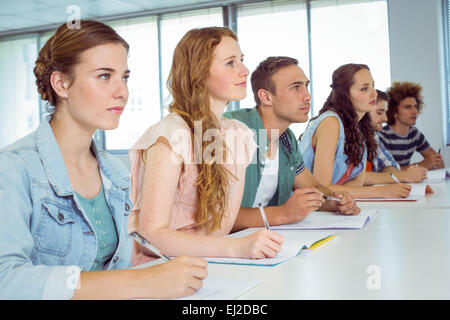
<point>19,277</point>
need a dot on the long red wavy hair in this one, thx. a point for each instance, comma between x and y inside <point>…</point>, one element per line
<point>192,60</point>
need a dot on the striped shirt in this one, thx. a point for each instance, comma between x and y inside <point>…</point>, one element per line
<point>402,147</point>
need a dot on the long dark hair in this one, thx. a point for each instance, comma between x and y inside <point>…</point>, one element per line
<point>358,135</point>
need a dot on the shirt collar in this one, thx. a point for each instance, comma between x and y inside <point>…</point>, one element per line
<point>259,126</point>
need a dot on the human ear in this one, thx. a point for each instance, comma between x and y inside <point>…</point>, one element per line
<point>60,83</point>
<point>265,97</point>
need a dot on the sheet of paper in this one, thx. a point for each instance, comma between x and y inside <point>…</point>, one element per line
<point>215,288</point>
<point>434,176</point>
<point>417,193</point>
<point>222,289</point>
<point>294,242</point>
<point>331,220</point>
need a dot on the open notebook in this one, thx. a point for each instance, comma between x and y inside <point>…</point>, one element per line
<point>324,220</point>
<point>294,242</point>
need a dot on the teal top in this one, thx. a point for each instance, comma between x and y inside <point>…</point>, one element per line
<point>99,216</point>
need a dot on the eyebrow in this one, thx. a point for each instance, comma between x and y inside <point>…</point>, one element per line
<point>233,56</point>
<point>110,70</point>
<point>300,82</point>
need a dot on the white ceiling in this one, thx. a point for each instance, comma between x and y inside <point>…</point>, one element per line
<point>29,15</point>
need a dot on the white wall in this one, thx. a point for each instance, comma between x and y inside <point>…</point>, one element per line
<point>416,42</point>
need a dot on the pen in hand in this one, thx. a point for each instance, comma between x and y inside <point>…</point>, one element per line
<point>136,236</point>
<point>328,198</point>
<point>263,215</point>
<point>395,178</point>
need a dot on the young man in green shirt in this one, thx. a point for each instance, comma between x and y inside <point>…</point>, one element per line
<point>277,179</point>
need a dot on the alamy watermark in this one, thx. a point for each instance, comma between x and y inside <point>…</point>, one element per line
<point>73,280</point>
<point>239,143</point>
<point>373,282</point>
<point>73,21</point>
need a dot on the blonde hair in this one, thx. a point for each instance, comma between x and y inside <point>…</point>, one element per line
<point>192,60</point>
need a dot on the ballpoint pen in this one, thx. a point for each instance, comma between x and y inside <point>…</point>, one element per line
<point>136,236</point>
<point>395,178</point>
<point>263,215</point>
<point>331,198</point>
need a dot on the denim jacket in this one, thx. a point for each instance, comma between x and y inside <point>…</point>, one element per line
<point>340,158</point>
<point>46,239</point>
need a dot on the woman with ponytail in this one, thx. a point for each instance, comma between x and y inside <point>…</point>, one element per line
<point>188,170</point>
<point>337,143</point>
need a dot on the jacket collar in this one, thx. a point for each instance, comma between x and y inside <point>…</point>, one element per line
<point>55,167</point>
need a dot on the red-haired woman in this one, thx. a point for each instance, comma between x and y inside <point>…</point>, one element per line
<point>188,170</point>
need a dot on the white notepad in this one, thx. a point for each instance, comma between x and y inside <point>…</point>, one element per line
<point>324,220</point>
<point>294,242</point>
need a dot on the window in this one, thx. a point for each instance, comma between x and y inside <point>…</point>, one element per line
<point>276,28</point>
<point>44,107</point>
<point>320,34</point>
<point>143,107</point>
<point>446,33</point>
<point>20,107</point>
<point>173,28</point>
<point>340,31</point>
<point>348,32</point>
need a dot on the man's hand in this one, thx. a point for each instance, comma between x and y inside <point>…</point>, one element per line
<point>413,174</point>
<point>432,161</point>
<point>347,205</point>
<point>302,202</point>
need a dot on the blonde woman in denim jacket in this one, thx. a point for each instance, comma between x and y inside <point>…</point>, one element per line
<point>64,203</point>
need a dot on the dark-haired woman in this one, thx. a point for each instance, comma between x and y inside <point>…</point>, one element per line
<point>337,143</point>
<point>64,203</point>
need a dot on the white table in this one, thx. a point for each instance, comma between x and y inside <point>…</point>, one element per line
<point>407,249</point>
